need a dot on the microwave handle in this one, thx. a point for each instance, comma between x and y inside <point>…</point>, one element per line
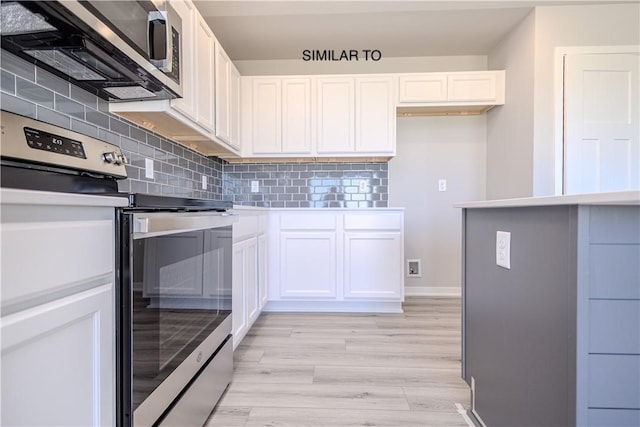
<point>159,40</point>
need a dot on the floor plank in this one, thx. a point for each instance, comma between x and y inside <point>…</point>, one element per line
<point>298,369</point>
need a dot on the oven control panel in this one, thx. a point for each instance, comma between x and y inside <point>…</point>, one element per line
<point>38,143</point>
<point>41,140</point>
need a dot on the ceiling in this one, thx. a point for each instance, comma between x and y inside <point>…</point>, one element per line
<point>259,30</point>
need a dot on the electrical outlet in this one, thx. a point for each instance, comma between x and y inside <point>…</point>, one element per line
<point>363,186</point>
<point>503,249</point>
<point>204,182</point>
<point>442,185</point>
<point>148,168</point>
<point>255,186</point>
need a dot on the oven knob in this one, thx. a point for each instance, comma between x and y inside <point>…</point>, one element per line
<point>110,157</point>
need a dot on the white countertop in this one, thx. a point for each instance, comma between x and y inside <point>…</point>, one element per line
<point>49,198</point>
<point>612,198</point>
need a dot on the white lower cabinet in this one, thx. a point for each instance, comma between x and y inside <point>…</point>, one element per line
<point>308,264</point>
<point>57,299</point>
<point>263,266</point>
<point>336,260</point>
<point>57,362</point>
<point>245,290</point>
<point>371,267</point>
<point>249,271</point>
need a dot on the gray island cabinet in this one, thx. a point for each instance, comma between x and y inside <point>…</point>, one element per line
<point>555,339</point>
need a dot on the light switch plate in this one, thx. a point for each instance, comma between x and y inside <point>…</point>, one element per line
<point>148,168</point>
<point>503,249</point>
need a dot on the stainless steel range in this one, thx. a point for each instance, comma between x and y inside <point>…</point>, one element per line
<point>173,275</point>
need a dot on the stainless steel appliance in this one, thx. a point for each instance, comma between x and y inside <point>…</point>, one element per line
<point>173,274</point>
<point>118,50</point>
<point>176,296</point>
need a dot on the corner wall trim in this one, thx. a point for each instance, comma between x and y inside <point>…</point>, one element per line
<point>432,291</point>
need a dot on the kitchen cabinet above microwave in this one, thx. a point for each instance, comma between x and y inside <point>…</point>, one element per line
<point>206,118</point>
<point>458,93</point>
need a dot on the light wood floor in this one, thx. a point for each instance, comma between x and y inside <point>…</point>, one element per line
<point>349,370</point>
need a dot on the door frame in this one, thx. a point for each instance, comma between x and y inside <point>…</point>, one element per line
<point>558,122</point>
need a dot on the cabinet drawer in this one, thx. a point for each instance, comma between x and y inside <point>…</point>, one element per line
<point>66,252</point>
<point>377,221</point>
<point>307,221</point>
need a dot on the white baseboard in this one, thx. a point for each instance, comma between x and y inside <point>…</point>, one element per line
<point>432,291</point>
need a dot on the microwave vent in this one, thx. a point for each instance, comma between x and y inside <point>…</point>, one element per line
<point>16,19</point>
<point>129,92</point>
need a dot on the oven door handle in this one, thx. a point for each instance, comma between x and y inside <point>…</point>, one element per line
<point>151,225</point>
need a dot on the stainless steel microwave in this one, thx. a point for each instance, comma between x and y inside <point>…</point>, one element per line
<point>118,50</point>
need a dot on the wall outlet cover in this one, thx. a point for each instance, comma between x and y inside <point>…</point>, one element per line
<point>204,182</point>
<point>255,186</point>
<point>148,168</point>
<point>503,249</point>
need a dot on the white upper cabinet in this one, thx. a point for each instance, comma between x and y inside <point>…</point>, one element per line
<point>223,98</point>
<point>469,91</point>
<point>375,115</point>
<point>319,116</point>
<point>296,115</point>
<point>204,70</point>
<point>204,119</point>
<point>266,104</point>
<point>187,104</point>
<point>335,124</point>
<point>279,121</point>
<point>234,106</point>
<point>424,87</point>
<point>474,87</point>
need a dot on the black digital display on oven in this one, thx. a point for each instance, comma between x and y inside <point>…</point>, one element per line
<point>46,141</point>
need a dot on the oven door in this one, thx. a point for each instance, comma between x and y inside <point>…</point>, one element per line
<point>176,305</point>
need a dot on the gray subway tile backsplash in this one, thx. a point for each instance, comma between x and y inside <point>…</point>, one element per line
<point>178,171</point>
<point>304,185</point>
<point>33,92</point>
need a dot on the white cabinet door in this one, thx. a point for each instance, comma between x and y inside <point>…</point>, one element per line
<point>58,362</point>
<point>187,104</point>
<point>222,85</point>
<point>375,115</point>
<point>296,116</point>
<point>245,288</point>
<point>234,106</point>
<point>308,264</point>
<point>262,271</point>
<point>267,116</point>
<point>205,75</point>
<point>424,87</point>
<point>335,126</point>
<point>239,319</point>
<point>472,87</point>
<point>373,265</point>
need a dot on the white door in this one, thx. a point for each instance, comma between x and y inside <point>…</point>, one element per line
<point>375,115</point>
<point>602,123</point>
<point>335,130</point>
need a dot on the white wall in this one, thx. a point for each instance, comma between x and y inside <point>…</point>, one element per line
<point>385,65</point>
<point>510,127</point>
<point>429,149</point>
